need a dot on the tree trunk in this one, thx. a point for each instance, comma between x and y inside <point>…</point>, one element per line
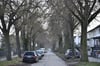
<point>66,45</point>
<point>33,45</point>
<point>8,46</point>
<point>25,41</point>
<point>29,43</point>
<point>60,44</point>
<point>25,44</point>
<point>18,43</point>
<point>53,47</point>
<point>72,42</point>
<point>84,56</point>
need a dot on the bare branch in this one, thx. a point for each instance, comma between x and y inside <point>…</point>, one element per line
<point>15,12</point>
<point>76,25</point>
<point>74,14</point>
<point>91,9</point>
<point>1,28</point>
<point>77,9</point>
<point>93,15</point>
<point>3,22</point>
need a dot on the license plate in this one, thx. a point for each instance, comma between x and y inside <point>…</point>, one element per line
<point>28,56</point>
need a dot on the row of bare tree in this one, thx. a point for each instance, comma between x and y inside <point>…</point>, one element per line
<point>26,18</point>
<point>66,16</point>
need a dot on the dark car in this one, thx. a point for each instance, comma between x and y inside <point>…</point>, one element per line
<point>30,56</point>
<point>69,54</point>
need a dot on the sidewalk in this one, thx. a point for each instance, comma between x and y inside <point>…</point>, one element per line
<point>92,59</point>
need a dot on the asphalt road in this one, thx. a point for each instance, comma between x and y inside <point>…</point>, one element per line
<point>50,59</point>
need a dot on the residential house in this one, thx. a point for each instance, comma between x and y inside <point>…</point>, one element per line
<point>93,37</point>
<point>93,41</point>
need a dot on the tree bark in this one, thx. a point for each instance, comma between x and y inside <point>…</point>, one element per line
<point>84,56</point>
<point>18,43</point>
<point>25,44</point>
<point>8,46</point>
<point>25,40</point>
<point>66,45</point>
<point>29,43</point>
<point>60,44</point>
<point>72,43</point>
<point>33,45</point>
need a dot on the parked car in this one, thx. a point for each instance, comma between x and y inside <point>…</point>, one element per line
<point>43,49</point>
<point>30,56</point>
<point>69,54</point>
<point>40,53</point>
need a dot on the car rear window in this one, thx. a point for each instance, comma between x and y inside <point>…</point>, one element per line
<point>29,53</point>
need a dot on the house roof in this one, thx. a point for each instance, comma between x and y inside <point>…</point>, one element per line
<point>94,28</point>
<point>98,37</point>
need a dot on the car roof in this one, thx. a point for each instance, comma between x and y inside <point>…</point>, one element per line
<point>29,51</point>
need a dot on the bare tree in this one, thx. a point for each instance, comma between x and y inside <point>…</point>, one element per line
<point>8,17</point>
<point>85,11</point>
<point>32,26</point>
<point>68,22</point>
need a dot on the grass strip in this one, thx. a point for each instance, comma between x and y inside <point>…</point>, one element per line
<point>88,64</point>
<point>12,62</point>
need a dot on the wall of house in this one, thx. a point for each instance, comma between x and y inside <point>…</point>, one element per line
<point>91,35</point>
